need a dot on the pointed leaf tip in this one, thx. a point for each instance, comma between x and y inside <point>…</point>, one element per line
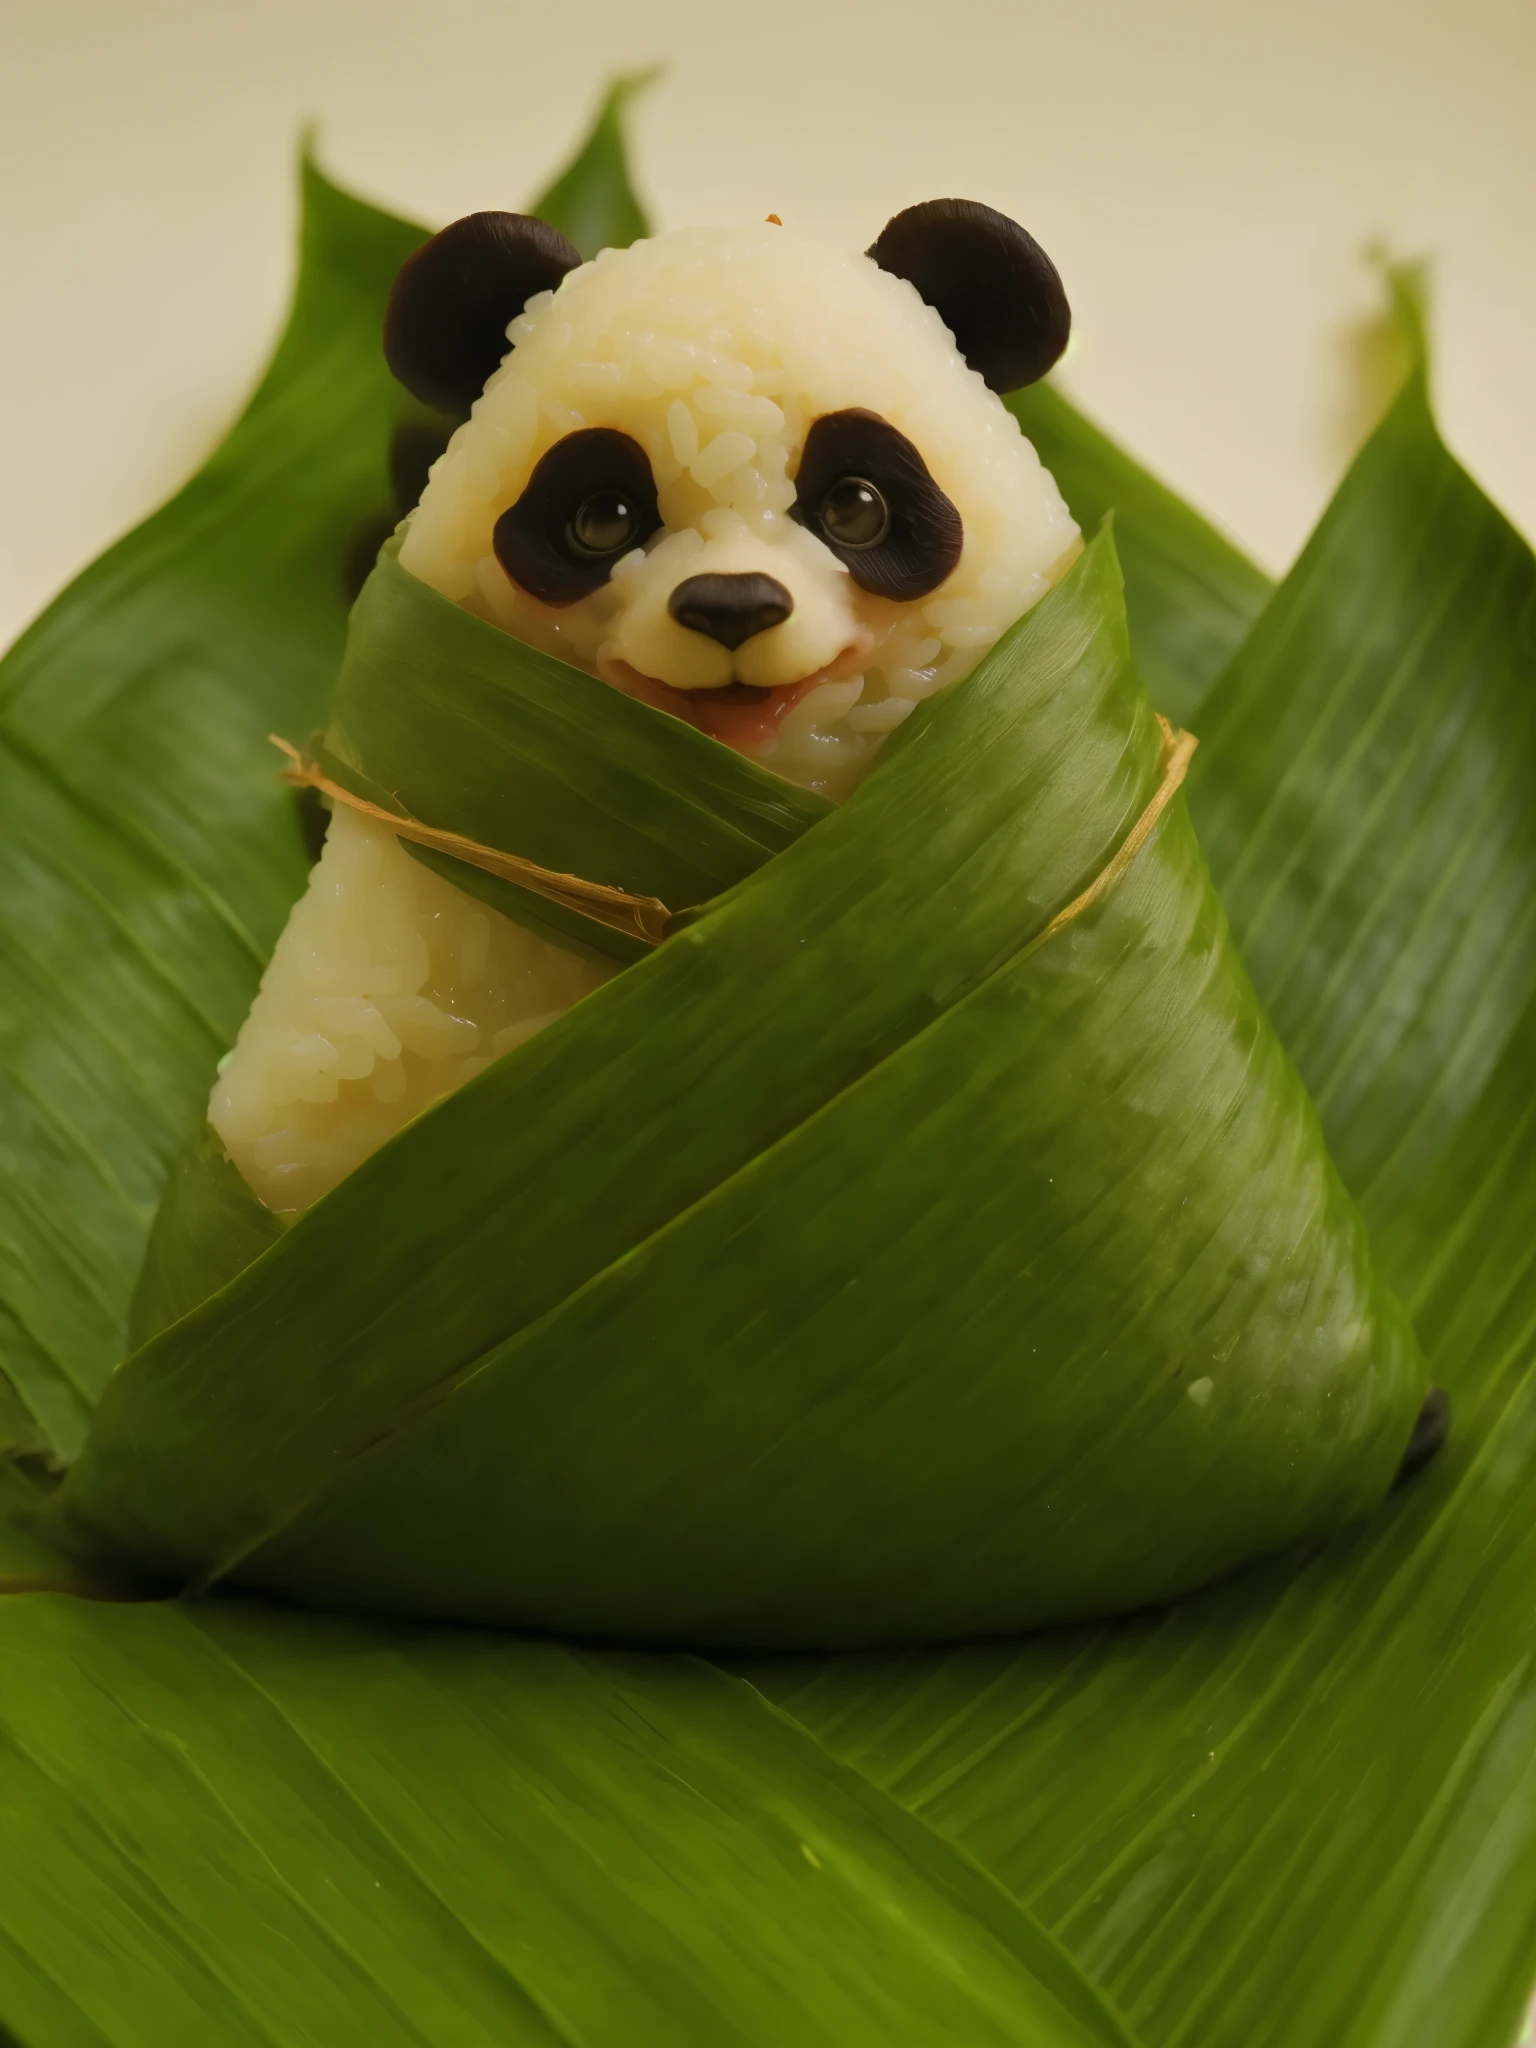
<point>593,199</point>
<point>1409,286</point>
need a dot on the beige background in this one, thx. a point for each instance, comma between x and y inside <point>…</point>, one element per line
<point>1206,173</point>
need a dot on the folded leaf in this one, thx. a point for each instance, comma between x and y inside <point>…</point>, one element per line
<point>229,1825</point>
<point>29,1560</point>
<point>209,1226</point>
<point>454,722</point>
<point>84,1118</point>
<point>149,856</point>
<point>443,718</point>
<point>876,1259</point>
<point>1189,594</point>
<point>1303,1808</point>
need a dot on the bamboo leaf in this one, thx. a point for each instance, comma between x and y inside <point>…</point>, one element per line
<point>28,1560</point>
<point>1110,1284</point>
<point>207,1228</point>
<point>175,620</point>
<point>1304,1808</point>
<point>230,1825</point>
<point>465,726</point>
<point>148,856</point>
<point>593,200</point>
<point>1190,595</point>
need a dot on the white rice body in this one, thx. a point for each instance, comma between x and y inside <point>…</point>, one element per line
<point>715,349</point>
<point>388,988</point>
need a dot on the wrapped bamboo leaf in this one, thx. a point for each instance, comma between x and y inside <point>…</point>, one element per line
<point>439,715</point>
<point>1084,1802</point>
<point>1363,788</point>
<point>207,1228</point>
<point>184,647</point>
<point>444,717</point>
<point>1189,594</point>
<point>932,1237</point>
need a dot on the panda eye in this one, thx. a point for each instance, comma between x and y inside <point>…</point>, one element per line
<point>866,491</point>
<point>605,524</point>
<point>590,500</point>
<point>854,514</point>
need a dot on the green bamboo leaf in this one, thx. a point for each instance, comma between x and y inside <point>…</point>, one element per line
<point>593,201</point>
<point>149,856</point>
<point>1304,1808</point>
<point>229,1825</point>
<point>1190,595</point>
<point>1110,1283</point>
<point>186,610</point>
<point>207,1228</point>
<point>1366,797</point>
<point>20,1436</point>
<point>438,715</point>
<point>469,728</point>
<point>28,1559</point>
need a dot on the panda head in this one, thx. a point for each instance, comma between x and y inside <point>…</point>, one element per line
<point>764,485</point>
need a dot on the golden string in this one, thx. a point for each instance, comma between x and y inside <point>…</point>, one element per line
<point>647,917</point>
<point>642,917</point>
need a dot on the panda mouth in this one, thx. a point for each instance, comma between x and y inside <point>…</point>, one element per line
<point>740,715</point>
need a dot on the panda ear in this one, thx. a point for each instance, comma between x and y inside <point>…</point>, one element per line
<point>445,328</point>
<point>991,284</point>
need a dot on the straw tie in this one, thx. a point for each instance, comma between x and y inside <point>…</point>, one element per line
<point>647,917</point>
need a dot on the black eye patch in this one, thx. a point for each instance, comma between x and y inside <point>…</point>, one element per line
<point>863,489</point>
<point>590,500</point>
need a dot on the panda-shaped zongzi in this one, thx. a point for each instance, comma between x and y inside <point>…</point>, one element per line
<point>757,483</point>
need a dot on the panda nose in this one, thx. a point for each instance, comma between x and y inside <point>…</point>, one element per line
<point>730,609</point>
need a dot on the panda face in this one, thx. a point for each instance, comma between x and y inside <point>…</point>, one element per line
<point>751,481</point>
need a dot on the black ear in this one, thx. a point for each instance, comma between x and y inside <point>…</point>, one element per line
<point>445,328</point>
<point>991,284</point>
